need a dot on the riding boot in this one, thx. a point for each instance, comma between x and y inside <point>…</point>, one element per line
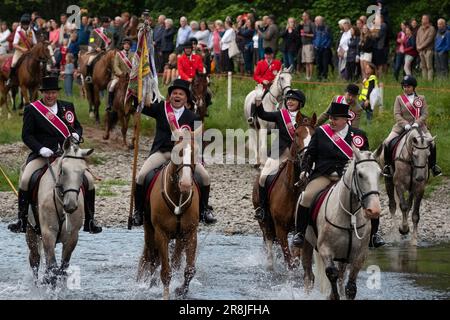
<point>435,169</point>
<point>252,113</point>
<point>206,213</point>
<point>89,212</point>
<point>21,225</point>
<point>138,216</point>
<point>375,239</point>
<point>261,211</point>
<point>88,78</point>
<point>110,101</point>
<point>300,226</point>
<point>12,76</point>
<point>387,170</point>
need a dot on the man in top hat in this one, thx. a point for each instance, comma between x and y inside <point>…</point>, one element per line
<point>46,125</point>
<point>24,40</point>
<point>173,111</point>
<point>330,158</point>
<point>100,40</point>
<point>122,65</point>
<point>350,97</point>
<point>267,69</point>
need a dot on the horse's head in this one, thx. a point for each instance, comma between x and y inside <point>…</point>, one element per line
<point>282,82</point>
<point>365,173</point>
<point>43,51</point>
<point>304,130</point>
<point>71,168</point>
<point>199,87</point>
<point>184,156</point>
<point>418,146</point>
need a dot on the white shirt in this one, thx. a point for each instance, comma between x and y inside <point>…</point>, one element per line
<point>343,133</point>
<point>4,44</point>
<point>345,38</point>
<point>293,115</point>
<point>411,97</point>
<point>227,37</point>
<point>17,37</point>
<point>178,112</point>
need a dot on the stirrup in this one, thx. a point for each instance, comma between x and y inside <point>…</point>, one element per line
<point>387,172</point>
<point>260,214</point>
<point>18,227</point>
<point>250,120</point>
<point>88,79</point>
<point>436,170</point>
<point>298,239</point>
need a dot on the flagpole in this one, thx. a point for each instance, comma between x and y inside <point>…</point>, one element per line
<point>137,129</point>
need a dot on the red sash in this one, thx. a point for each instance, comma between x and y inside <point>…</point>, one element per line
<point>340,99</point>
<point>170,115</point>
<point>103,36</point>
<point>338,141</point>
<point>288,123</point>
<point>53,119</point>
<point>415,112</point>
<point>24,39</point>
<point>125,60</point>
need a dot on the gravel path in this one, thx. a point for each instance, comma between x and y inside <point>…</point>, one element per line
<point>231,190</point>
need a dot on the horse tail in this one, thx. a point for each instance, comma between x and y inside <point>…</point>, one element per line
<point>113,117</point>
<point>324,283</point>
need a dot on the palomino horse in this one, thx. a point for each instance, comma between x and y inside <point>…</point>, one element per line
<point>285,193</point>
<point>31,68</point>
<point>410,176</point>
<point>199,89</point>
<point>280,86</point>
<point>343,227</point>
<point>60,210</point>
<point>101,76</point>
<point>174,202</point>
<point>121,112</point>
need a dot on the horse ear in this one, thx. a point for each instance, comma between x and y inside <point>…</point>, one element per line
<point>67,144</point>
<point>299,118</point>
<point>356,152</point>
<point>290,69</point>
<point>86,152</point>
<point>313,120</point>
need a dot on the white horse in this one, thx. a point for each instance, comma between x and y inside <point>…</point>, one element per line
<point>343,226</point>
<point>258,140</point>
<point>60,208</point>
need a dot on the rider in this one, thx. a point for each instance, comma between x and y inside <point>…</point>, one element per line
<point>165,112</point>
<point>410,111</point>
<point>99,41</point>
<point>46,124</point>
<point>285,120</point>
<point>350,97</point>
<point>329,160</point>
<point>267,69</point>
<point>24,40</point>
<point>189,63</point>
<point>122,65</point>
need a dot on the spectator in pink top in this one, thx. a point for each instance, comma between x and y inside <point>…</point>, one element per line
<point>217,36</point>
<point>54,33</point>
<point>400,50</point>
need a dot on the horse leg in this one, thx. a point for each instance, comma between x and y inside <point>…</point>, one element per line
<point>253,147</point>
<point>25,97</point>
<point>163,248</point>
<point>67,251</point>
<point>97,104</point>
<point>49,241</point>
<point>332,274</point>
<point>416,217</point>
<point>124,124</point>
<point>390,192</point>
<point>34,257</point>
<point>341,267</point>
<point>282,238</point>
<point>189,270</point>
<point>403,205</point>
<point>148,260</point>
<point>180,244</point>
<point>350,288</point>
<point>308,276</point>
<point>262,142</point>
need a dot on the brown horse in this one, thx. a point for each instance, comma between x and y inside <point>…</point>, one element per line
<point>199,89</point>
<point>285,192</point>
<point>4,75</point>
<point>101,76</point>
<point>121,112</point>
<point>174,202</point>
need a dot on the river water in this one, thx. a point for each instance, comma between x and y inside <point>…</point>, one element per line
<point>104,266</point>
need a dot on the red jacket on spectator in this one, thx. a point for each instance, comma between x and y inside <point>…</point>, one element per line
<point>187,66</point>
<point>264,71</point>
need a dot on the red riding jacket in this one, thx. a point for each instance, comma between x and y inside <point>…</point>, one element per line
<point>187,66</point>
<point>264,71</point>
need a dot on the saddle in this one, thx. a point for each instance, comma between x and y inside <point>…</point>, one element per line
<point>392,147</point>
<point>6,67</point>
<point>270,180</point>
<point>316,205</point>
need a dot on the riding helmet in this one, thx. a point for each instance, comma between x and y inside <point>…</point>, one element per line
<point>297,95</point>
<point>352,89</point>
<point>127,39</point>
<point>26,18</point>
<point>409,81</point>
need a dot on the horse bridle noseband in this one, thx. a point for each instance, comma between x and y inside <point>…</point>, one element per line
<point>411,161</point>
<point>360,194</point>
<point>280,87</point>
<point>58,186</point>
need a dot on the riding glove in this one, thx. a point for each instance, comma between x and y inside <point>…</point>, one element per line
<point>45,152</point>
<point>407,127</point>
<point>76,136</point>
<point>415,125</point>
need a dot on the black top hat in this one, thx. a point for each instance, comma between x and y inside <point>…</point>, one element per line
<point>105,20</point>
<point>181,84</point>
<point>146,12</point>
<point>297,95</point>
<point>268,50</point>
<point>352,89</point>
<point>187,45</point>
<point>49,83</point>
<point>338,110</point>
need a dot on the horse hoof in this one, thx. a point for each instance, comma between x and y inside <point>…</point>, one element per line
<point>403,232</point>
<point>181,292</point>
<point>105,137</point>
<point>131,147</point>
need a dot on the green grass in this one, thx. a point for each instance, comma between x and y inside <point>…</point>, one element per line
<point>13,175</point>
<point>318,97</point>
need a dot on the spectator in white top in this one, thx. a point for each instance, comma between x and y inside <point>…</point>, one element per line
<point>4,34</point>
<point>225,44</point>
<point>345,26</point>
<point>183,35</point>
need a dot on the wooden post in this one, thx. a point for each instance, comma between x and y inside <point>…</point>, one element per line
<point>137,129</point>
<point>229,90</point>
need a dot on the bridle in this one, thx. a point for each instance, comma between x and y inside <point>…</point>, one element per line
<point>61,192</point>
<point>282,89</point>
<point>360,194</point>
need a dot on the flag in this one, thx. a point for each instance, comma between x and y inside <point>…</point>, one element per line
<point>143,83</point>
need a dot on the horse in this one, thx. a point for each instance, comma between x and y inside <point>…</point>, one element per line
<point>101,76</point>
<point>343,227</point>
<point>285,192</point>
<point>410,176</point>
<point>5,64</point>
<point>30,69</point>
<point>60,212</point>
<point>121,111</point>
<point>280,86</point>
<point>199,89</point>
<point>174,203</point>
